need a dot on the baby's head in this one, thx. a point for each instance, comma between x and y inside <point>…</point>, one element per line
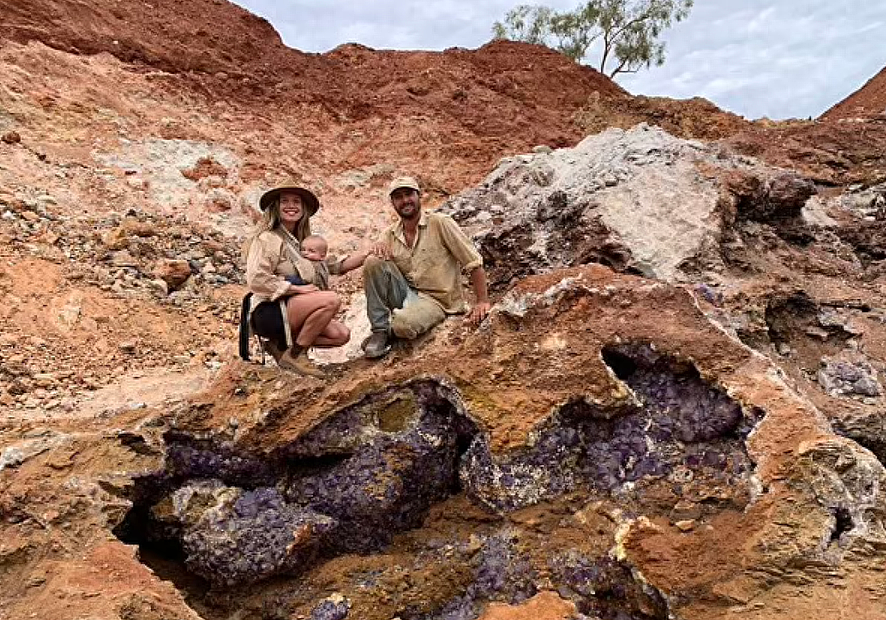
<point>313,247</point>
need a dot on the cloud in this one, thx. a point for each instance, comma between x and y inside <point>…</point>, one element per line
<point>753,57</point>
<point>795,59</point>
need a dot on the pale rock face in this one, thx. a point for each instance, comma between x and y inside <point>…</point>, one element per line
<point>639,200</point>
<point>164,171</point>
<point>849,482</point>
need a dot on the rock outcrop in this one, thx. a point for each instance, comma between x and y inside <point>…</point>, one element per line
<point>638,200</point>
<point>587,440</point>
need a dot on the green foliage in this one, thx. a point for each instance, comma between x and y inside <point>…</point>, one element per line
<point>525,23</point>
<point>627,30</point>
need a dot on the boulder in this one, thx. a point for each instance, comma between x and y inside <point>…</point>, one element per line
<point>231,536</point>
<point>640,200</point>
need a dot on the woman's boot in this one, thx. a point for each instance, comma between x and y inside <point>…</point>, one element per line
<point>296,360</point>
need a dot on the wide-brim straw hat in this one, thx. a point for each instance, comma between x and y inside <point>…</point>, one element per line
<point>308,198</point>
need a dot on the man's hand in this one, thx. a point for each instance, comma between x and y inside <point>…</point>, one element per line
<point>481,308</point>
<point>381,250</point>
<point>478,312</point>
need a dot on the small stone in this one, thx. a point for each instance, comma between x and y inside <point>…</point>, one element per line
<point>44,379</point>
<point>123,258</point>
<point>139,228</point>
<point>210,245</point>
<point>30,216</point>
<point>36,580</point>
<point>159,285</point>
<point>685,526</point>
<point>11,457</point>
<point>815,332</point>
<point>334,607</point>
<point>173,272</point>
<point>11,137</point>
<point>127,347</point>
<point>116,239</point>
<point>685,510</point>
<point>543,149</point>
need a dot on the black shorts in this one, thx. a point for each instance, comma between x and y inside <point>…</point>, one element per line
<point>267,322</point>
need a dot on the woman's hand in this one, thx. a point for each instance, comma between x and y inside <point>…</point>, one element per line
<point>301,289</point>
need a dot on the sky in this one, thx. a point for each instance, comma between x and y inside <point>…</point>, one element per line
<point>785,59</point>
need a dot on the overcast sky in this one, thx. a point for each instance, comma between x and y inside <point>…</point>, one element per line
<point>793,58</point>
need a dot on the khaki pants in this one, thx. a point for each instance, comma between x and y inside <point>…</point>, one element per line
<point>393,306</point>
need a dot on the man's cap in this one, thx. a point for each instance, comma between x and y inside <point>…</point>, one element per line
<point>308,198</point>
<point>399,182</point>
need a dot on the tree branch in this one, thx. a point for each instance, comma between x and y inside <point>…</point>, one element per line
<point>619,69</point>
<point>636,20</point>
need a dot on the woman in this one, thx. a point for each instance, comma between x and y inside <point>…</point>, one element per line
<point>292,317</point>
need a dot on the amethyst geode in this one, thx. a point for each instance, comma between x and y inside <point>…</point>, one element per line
<point>676,422</point>
<point>374,469</point>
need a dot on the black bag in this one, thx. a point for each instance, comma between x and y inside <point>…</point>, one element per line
<point>244,327</point>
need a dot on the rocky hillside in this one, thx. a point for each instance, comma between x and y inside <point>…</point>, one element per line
<point>204,35</point>
<point>868,101</point>
<point>109,113</point>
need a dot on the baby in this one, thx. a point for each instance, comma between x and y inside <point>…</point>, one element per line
<point>314,248</point>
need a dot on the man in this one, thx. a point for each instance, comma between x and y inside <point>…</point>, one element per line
<point>419,281</point>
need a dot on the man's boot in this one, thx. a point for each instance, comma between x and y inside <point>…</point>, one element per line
<point>378,345</point>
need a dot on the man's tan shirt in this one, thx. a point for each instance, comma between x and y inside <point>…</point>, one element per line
<point>433,266</point>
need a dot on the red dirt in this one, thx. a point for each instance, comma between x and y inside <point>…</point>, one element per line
<point>456,111</point>
<point>228,51</point>
<point>829,153</point>
<point>867,101</point>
